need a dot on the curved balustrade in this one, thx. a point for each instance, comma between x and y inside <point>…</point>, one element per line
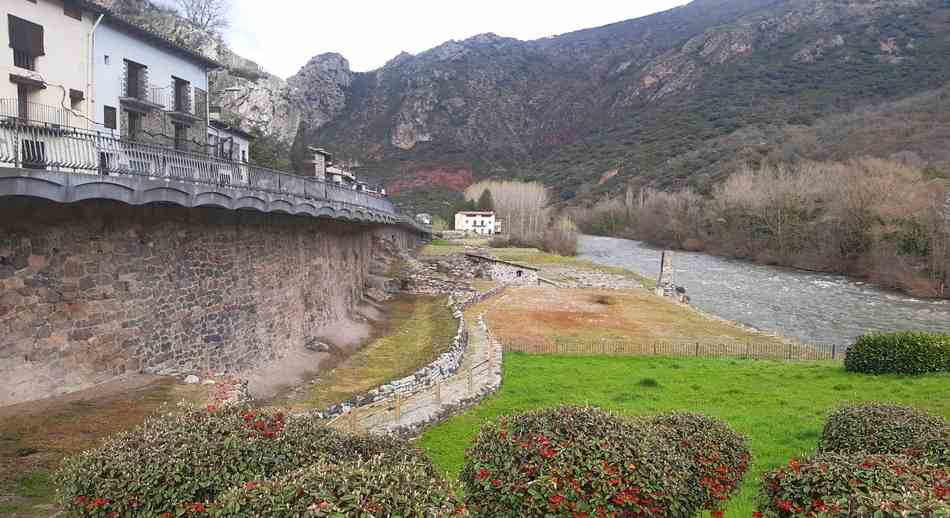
<point>52,147</point>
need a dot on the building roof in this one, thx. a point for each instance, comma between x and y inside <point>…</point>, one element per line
<point>476,213</point>
<point>119,22</point>
<point>218,125</point>
<point>493,260</point>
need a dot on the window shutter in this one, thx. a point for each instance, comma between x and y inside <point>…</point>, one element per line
<point>110,117</point>
<point>25,36</point>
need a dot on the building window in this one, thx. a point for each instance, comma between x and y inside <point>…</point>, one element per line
<point>26,40</point>
<point>244,155</point>
<point>109,118</point>
<point>135,80</point>
<point>72,9</point>
<point>76,97</point>
<point>181,136</point>
<point>105,59</point>
<point>182,96</point>
<point>135,124</point>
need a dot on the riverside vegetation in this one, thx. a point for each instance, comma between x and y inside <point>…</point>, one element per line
<point>873,218</point>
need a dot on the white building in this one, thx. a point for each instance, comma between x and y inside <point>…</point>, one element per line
<point>46,73</point>
<point>477,222</point>
<point>148,88</point>
<point>229,143</point>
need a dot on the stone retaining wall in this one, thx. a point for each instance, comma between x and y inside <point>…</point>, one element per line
<point>94,290</point>
<point>445,366</point>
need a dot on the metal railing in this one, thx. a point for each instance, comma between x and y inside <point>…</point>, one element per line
<point>34,145</point>
<point>29,112</point>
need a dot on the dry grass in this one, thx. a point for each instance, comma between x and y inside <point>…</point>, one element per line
<point>415,331</point>
<point>636,318</point>
<point>36,436</point>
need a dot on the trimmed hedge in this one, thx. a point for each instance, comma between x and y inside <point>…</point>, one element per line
<point>880,428</point>
<point>579,462</point>
<point>899,353</point>
<point>836,484</point>
<point>379,486</point>
<point>720,456</point>
<point>181,462</point>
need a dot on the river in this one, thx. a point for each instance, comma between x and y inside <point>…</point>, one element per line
<point>813,308</point>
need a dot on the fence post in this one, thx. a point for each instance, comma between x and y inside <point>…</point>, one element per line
<point>788,353</point>
<point>833,350</point>
<point>697,349</point>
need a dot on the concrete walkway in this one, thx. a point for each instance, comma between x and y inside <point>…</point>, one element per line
<point>479,375</point>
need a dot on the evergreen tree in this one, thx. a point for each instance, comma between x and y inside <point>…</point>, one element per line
<point>486,202</point>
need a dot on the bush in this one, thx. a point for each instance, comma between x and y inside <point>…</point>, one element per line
<point>836,484</point>
<point>560,238</point>
<point>900,353</point>
<point>185,459</point>
<point>719,455</point>
<point>879,428</point>
<point>576,462</point>
<point>380,486</point>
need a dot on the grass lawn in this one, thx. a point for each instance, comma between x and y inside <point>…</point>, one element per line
<point>36,436</point>
<point>780,406</point>
<point>415,331</point>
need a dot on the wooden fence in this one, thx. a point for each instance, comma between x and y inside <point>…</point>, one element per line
<point>753,351</point>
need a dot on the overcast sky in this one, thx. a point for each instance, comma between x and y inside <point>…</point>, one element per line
<point>282,35</point>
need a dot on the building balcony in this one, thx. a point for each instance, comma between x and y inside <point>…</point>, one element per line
<point>144,99</point>
<point>25,112</point>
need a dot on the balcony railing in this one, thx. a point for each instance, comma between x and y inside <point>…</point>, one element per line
<point>35,113</point>
<point>155,97</point>
<point>75,150</point>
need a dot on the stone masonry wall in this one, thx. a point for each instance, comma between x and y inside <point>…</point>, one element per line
<point>93,290</point>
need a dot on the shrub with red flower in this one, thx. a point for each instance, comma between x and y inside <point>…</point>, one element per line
<point>381,486</point>
<point>862,484</point>
<point>576,462</point>
<point>181,462</point>
<point>719,455</point>
<point>882,428</point>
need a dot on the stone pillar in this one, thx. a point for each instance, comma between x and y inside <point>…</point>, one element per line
<point>320,159</point>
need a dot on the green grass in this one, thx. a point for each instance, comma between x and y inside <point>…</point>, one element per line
<point>780,406</point>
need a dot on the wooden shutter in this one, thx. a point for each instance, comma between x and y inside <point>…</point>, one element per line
<point>25,36</point>
<point>110,117</point>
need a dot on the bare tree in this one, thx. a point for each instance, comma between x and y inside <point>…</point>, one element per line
<point>210,15</point>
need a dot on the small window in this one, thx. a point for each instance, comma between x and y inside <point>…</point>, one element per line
<point>135,80</point>
<point>26,40</point>
<point>72,9</point>
<point>243,155</point>
<point>109,117</point>
<point>105,59</point>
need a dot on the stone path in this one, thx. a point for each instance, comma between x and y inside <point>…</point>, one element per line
<point>480,375</point>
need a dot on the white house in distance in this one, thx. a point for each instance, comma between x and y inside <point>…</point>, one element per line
<point>46,76</point>
<point>477,222</point>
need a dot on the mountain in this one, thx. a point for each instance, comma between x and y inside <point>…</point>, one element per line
<point>677,98</point>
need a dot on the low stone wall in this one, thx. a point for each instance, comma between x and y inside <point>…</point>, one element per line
<point>447,364</point>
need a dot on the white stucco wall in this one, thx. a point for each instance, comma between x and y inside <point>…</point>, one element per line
<point>162,65</point>
<point>65,65</point>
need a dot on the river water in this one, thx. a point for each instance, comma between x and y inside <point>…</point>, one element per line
<point>810,307</point>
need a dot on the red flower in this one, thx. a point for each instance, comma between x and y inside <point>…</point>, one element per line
<point>784,505</point>
<point>547,453</point>
<point>247,416</point>
<point>212,408</point>
<point>794,465</point>
<point>556,500</point>
<point>716,514</point>
<point>250,485</point>
<point>756,515</point>
<point>496,483</point>
<point>482,474</point>
<point>576,514</point>
<point>99,502</point>
<point>197,508</point>
<point>79,500</point>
